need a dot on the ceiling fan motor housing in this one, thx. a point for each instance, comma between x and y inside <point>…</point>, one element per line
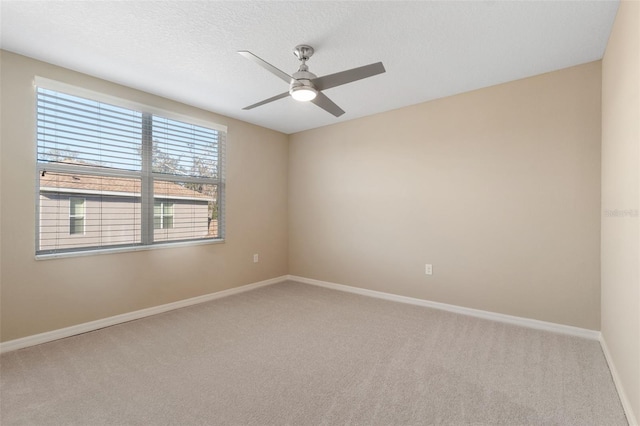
<point>302,79</point>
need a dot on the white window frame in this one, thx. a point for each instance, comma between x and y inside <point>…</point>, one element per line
<point>147,175</point>
<point>77,216</point>
<point>162,215</point>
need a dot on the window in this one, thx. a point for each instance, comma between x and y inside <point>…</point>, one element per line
<point>123,177</point>
<point>76,215</point>
<point>162,215</point>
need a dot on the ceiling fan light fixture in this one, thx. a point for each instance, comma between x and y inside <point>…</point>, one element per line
<point>303,93</point>
<point>305,86</point>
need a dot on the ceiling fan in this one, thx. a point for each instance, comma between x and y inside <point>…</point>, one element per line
<point>305,86</point>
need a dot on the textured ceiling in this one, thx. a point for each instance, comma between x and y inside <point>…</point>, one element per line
<point>186,50</point>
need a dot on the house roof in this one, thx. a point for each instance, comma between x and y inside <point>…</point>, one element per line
<point>90,184</point>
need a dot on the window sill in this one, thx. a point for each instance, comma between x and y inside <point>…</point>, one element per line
<point>127,249</point>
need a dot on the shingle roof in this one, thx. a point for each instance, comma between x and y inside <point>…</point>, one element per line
<point>123,186</point>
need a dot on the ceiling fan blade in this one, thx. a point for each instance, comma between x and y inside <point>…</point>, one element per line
<point>266,101</point>
<point>344,77</point>
<point>327,104</point>
<point>266,65</point>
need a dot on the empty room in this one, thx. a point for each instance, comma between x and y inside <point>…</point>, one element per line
<point>320,212</point>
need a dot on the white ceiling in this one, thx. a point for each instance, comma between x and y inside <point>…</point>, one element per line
<point>186,50</point>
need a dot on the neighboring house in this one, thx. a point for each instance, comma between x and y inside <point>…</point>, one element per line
<point>90,211</point>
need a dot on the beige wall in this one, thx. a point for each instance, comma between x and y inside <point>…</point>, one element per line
<point>38,296</point>
<point>498,188</point>
<point>621,201</point>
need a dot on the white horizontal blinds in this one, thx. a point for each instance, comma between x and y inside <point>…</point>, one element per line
<point>80,211</point>
<point>186,169</point>
<point>73,130</point>
<point>88,165</point>
<point>97,188</point>
<point>185,210</point>
<point>183,149</point>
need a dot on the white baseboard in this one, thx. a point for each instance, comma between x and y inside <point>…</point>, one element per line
<point>49,336</point>
<point>510,319</point>
<point>624,399</point>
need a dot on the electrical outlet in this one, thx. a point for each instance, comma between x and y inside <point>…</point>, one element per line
<point>256,258</point>
<point>428,269</point>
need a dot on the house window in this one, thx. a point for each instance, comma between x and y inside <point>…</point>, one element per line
<point>162,215</point>
<point>149,178</point>
<point>76,215</point>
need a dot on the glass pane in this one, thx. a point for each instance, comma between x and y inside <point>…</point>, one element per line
<point>109,216</point>
<point>167,222</point>
<point>183,149</point>
<point>189,211</point>
<point>76,206</point>
<point>76,225</point>
<point>83,132</point>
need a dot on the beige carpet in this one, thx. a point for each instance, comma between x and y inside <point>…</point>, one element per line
<point>302,355</point>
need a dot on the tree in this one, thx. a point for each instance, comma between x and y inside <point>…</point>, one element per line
<point>163,162</point>
<point>204,163</point>
<point>56,155</point>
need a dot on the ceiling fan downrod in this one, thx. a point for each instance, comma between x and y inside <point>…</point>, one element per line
<point>301,87</point>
